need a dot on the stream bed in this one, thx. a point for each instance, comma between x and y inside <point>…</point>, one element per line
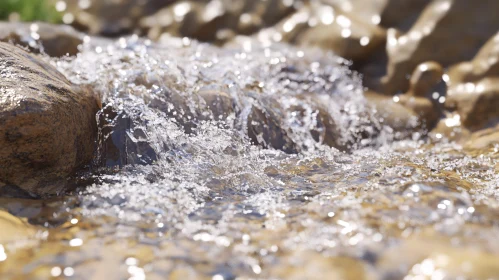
<point>189,195</point>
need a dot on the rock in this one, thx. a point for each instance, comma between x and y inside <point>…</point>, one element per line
<point>328,28</point>
<point>281,124</point>
<point>47,125</point>
<point>420,107</point>
<point>450,127</point>
<point>434,38</point>
<point>440,254</point>
<point>426,93</point>
<point>111,17</point>
<point>54,40</point>
<point>393,114</point>
<point>325,130</point>
<point>426,80</point>
<point>13,230</point>
<point>265,127</point>
<point>302,264</point>
<point>474,88</point>
<point>182,19</point>
<point>218,102</point>
<point>216,20</point>
<point>399,14</point>
<point>121,142</point>
<point>482,139</point>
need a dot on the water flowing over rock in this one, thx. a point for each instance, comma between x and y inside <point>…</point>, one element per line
<point>264,159</point>
<point>259,90</point>
<point>47,125</point>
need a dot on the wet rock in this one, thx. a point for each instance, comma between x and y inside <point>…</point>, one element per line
<point>47,125</point>
<point>438,253</point>
<point>426,80</point>
<point>309,265</point>
<point>323,128</point>
<point>420,107</point>
<point>355,42</point>
<point>216,20</point>
<point>13,229</point>
<point>219,104</point>
<point>265,127</point>
<point>54,40</point>
<point>181,19</point>
<point>329,28</point>
<point>434,38</point>
<point>450,127</point>
<point>121,142</point>
<point>426,93</point>
<point>400,14</point>
<point>482,139</point>
<point>474,88</point>
<point>393,114</point>
<point>111,17</point>
<point>387,13</point>
<point>278,124</point>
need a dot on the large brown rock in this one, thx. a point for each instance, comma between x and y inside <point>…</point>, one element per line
<point>47,125</point>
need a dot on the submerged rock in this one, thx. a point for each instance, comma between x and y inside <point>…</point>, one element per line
<point>54,40</point>
<point>47,125</point>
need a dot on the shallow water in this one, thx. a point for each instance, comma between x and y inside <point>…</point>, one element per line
<point>191,198</point>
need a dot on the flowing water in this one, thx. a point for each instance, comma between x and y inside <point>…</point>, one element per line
<point>189,196</point>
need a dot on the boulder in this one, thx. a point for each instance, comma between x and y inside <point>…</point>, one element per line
<point>47,125</point>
